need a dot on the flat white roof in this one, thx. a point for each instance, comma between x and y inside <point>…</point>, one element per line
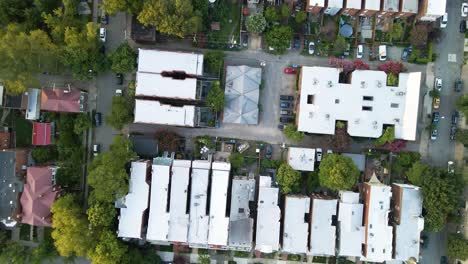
<point>153,84</point>
<point>179,219</point>
<point>324,101</point>
<point>351,231</point>
<point>335,3</point>
<point>153,112</point>
<point>436,7</point>
<point>408,232</point>
<point>268,217</point>
<point>219,223</point>
<point>157,61</point>
<point>240,221</point>
<point>410,6</point>
<point>322,232</point>
<point>378,234</point>
<point>372,5</point>
<point>355,4</point>
<point>302,159</point>
<point>136,202</point>
<point>320,3</point>
<point>198,228</point>
<point>158,221</point>
<point>391,5</point>
<point>296,227</point>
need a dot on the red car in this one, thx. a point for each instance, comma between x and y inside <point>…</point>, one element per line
<point>290,70</point>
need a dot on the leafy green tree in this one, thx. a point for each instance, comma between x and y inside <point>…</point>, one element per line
<point>338,172</point>
<point>339,46</point>
<point>123,59</point>
<point>82,123</point>
<point>121,112</point>
<point>45,252</point>
<point>457,247</point>
<point>44,154</point>
<point>285,11</point>
<point>130,6</point>
<point>204,259</point>
<point>417,172</point>
<point>68,175</point>
<point>108,250</point>
<point>434,93</point>
<point>462,136</point>
<point>215,98</point>
<point>237,160</point>
<point>101,214</point>
<point>175,18</point>
<point>392,79</point>
<point>312,182</point>
<point>405,161</point>
<point>14,253</point>
<point>139,255</point>
<point>213,61</point>
<point>279,38</point>
<point>256,23</point>
<point>387,137</point>
<point>60,19</point>
<point>71,234</point>
<point>291,132</point>
<point>271,14</point>
<point>396,31</point>
<point>301,17</point>
<point>289,179</point>
<point>462,104</point>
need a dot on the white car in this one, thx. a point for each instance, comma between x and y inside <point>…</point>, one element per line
<point>318,153</point>
<point>450,167</point>
<point>311,48</point>
<point>382,53</point>
<point>359,51</point>
<point>118,92</point>
<point>443,21</point>
<point>102,34</point>
<point>438,84</point>
<point>464,10</point>
<point>329,151</point>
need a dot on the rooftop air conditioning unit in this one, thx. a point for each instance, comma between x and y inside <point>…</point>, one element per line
<point>315,81</point>
<point>379,84</point>
<point>363,84</point>
<point>330,84</point>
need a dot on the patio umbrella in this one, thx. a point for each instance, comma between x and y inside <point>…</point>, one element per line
<point>346,31</point>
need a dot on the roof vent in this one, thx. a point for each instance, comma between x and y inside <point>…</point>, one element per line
<point>397,120</point>
<point>400,93</point>
<point>315,81</point>
<point>329,84</point>
<point>356,121</point>
<point>363,84</point>
<point>327,116</point>
<point>311,114</point>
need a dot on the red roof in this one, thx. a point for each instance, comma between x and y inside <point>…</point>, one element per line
<point>60,100</point>
<point>42,134</point>
<point>37,197</point>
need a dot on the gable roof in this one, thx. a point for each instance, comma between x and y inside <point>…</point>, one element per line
<point>38,196</point>
<point>42,134</point>
<point>63,100</point>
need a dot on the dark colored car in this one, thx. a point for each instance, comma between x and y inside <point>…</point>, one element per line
<point>434,134</point>
<point>443,260</point>
<point>455,117</point>
<point>268,151</point>
<point>296,43</point>
<point>463,26</point>
<point>245,40</point>
<point>435,117</point>
<point>453,131</point>
<point>405,54</point>
<point>285,105</point>
<point>119,77</point>
<point>286,119</point>
<point>458,85</point>
<point>280,126</point>
<point>105,19</point>
<point>97,119</point>
<point>286,97</point>
<point>102,49</point>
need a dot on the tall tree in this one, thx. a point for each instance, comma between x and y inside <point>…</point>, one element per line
<point>172,17</point>
<point>457,247</point>
<point>215,97</point>
<point>12,11</point>
<point>301,17</point>
<point>255,23</point>
<point>417,172</point>
<point>396,31</point>
<point>290,131</point>
<point>462,104</point>
<point>109,249</point>
<point>130,6</point>
<point>101,214</point>
<point>271,14</point>
<point>339,46</point>
<point>14,253</point>
<point>123,59</point>
<point>289,179</point>
<point>121,112</point>
<point>81,124</point>
<point>279,38</point>
<point>338,172</point>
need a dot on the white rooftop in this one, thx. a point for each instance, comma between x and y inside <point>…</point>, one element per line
<point>335,3</point>
<point>378,233</point>
<point>268,217</point>
<point>408,232</point>
<point>324,100</point>
<point>158,220</point>
<point>198,228</point>
<point>391,5</point>
<point>219,223</point>
<point>436,7</point>
<point>372,5</point>
<point>410,6</point>
<point>322,231</point>
<point>179,219</point>
<point>153,84</point>
<point>355,4</point>
<point>136,202</point>
<point>351,231</point>
<point>320,3</point>
<point>296,226</point>
<point>302,159</point>
<point>153,112</point>
<point>157,61</point>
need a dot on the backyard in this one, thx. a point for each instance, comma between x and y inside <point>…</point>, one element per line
<point>228,14</point>
<point>23,129</point>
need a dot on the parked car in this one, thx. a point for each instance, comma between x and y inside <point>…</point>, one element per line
<point>102,34</point>
<point>434,134</point>
<point>435,117</point>
<point>450,167</point>
<point>245,40</point>
<point>463,26</point>
<point>268,151</point>
<point>438,84</point>
<point>280,126</point>
<point>405,54</point>
<point>443,260</point>
<point>443,21</point>
<point>286,112</point>
<point>96,149</point>
<point>453,131</point>
<point>105,19</point>
<point>286,119</point>
<point>458,85</point>
<point>318,153</point>
<point>285,105</point>
<point>296,43</point>
<point>290,70</point>
<point>311,48</point>
<point>119,77</point>
<point>118,92</point>
<point>329,151</point>
<point>464,10</point>
<point>382,53</point>
<point>286,97</point>
<point>436,103</point>
<point>359,51</point>
<point>455,116</point>
<point>424,241</point>
<point>97,119</point>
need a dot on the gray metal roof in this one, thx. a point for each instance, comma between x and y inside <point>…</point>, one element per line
<point>241,223</point>
<point>241,94</point>
<point>10,187</point>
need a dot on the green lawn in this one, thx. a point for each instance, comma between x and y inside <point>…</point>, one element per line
<point>230,23</point>
<point>23,130</point>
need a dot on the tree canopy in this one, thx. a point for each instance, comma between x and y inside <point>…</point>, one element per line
<point>44,154</point>
<point>213,61</point>
<point>123,59</point>
<point>396,31</point>
<point>405,161</point>
<point>271,14</point>
<point>289,179</point>
<point>279,38</point>
<point>237,160</point>
<point>255,23</point>
<point>339,45</point>
<point>338,172</point>
<point>171,17</point>
<point>121,112</point>
<point>109,249</point>
<point>301,17</point>
<point>462,104</point>
<point>291,132</point>
<point>81,124</point>
<point>215,98</point>
<point>101,214</point>
<point>130,6</point>
<point>457,247</point>
<point>416,172</point>
<point>462,136</point>
<point>387,137</point>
